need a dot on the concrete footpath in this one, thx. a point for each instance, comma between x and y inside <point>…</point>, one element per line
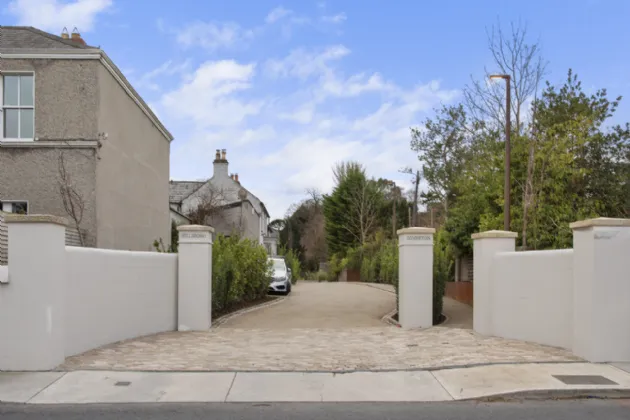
<point>542,380</point>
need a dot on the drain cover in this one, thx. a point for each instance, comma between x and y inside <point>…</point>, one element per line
<point>122,383</point>
<point>584,380</point>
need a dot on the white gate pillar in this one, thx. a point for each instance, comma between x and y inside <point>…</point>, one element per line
<point>194,279</point>
<point>415,277</point>
<point>601,289</point>
<point>485,246</point>
<point>32,303</point>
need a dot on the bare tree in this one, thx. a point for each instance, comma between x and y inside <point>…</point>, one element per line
<point>514,56</point>
<point>363,211</point>
<point>208,204</point>
<point>73,202</point>
<point>313,235</point>
<point>522,61</point>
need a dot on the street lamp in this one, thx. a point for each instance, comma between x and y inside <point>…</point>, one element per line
<point>506,187</point>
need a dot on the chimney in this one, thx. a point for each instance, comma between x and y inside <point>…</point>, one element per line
<point>220,165</point>
<point>236,178</point>
<point>76,37</point>
<point>232,176</point>
<point>64,33</point>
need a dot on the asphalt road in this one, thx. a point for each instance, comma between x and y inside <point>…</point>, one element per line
<point>557,410</point>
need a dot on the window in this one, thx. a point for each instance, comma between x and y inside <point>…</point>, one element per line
<point>18,107</point>
<point>18,207</point>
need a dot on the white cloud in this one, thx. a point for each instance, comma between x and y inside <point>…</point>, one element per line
<point>53,15</point>
<point>207,96</point>
<point>283,144</point>
<point>303,64</point>
<point>277,14</point>
<point>168,68</point>
<point>212,35</point>
<point>338,18</point>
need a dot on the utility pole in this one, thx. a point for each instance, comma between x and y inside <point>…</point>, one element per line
<point>415,200</point>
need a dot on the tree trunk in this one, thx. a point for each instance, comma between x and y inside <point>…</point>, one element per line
<point>528,192</point>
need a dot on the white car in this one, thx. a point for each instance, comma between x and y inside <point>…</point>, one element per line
<point>281,278</point>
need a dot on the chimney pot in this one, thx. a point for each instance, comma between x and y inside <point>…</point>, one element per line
<point>76,37</point>
<point>236,178</point>
<point>64,33</point>
<point>217,155</point>
<point>223,154</point>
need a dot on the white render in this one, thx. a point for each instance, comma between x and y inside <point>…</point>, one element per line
<point>32,304</point>
<point>576,299</point>
<point>195,278</point>
<point>602,290</point>
<point>415,277</point>
<point>59,301</point>
<point>115,295</point>
<point>485,246</point>
<point>532,296</point>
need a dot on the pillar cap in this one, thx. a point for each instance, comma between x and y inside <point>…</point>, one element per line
<point>600,221</point>
<point>494,234</point>
<point>195,228</point>
<point>35,218</point>
<point>415,230</point>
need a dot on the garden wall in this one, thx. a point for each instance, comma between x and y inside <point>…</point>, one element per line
<point>532,296</point>
<point>117,295</point>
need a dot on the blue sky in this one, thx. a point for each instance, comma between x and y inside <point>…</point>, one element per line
<point>291,87</point>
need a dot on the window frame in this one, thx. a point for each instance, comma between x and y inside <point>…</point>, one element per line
<point>19,107</point>
<point>2,202</point>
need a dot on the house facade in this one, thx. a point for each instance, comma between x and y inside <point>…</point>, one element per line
<point>70,121</point>
<point>223,203</point>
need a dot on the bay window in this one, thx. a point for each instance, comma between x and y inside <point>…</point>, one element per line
<point>18,106</point>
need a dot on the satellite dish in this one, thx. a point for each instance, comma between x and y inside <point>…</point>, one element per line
<point>242,194</point>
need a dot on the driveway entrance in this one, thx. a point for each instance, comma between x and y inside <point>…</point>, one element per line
<point>322,305</point>
<point>322,327</point>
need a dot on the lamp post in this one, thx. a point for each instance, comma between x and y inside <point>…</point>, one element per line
<point>506,188</point>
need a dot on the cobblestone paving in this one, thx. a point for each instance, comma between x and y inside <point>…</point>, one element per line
<point>376,348</point>
<point>278,348</point>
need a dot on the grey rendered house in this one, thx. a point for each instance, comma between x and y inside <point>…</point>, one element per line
<point>226,205</point>
<point>70,121</point>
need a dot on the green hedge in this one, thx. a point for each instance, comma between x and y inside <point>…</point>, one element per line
<point>442,271</point>
<point>241,272</point>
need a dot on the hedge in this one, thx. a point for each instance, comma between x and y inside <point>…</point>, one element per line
<point>241,272</point>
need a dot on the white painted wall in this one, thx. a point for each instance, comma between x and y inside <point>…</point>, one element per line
<point>116,295</point>
<point>532,296</point>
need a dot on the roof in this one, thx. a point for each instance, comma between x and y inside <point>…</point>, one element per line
<point>30,42</point>
<point>179,190</point>
<point>28,37</point>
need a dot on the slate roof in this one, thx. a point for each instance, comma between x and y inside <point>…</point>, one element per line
<point>179,190</point>
<point>27,37</point>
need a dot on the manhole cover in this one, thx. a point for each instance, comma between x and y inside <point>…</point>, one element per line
<point>584,380</point>
<point>122,383</point>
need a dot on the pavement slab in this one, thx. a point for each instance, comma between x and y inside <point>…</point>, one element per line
<point>622,366</point>
<point>22,386</point>
<point>485,381</point>
<point>384,387</point>
<point>282,387</point>
<point>140,387</point>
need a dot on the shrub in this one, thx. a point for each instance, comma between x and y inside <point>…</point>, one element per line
<point>442,271</point>
<point>293,262</point>
<point>322,276</point>
<point>241,272</point>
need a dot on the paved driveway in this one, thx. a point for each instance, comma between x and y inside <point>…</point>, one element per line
<point>322,327</point>
<point>322,305</point>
